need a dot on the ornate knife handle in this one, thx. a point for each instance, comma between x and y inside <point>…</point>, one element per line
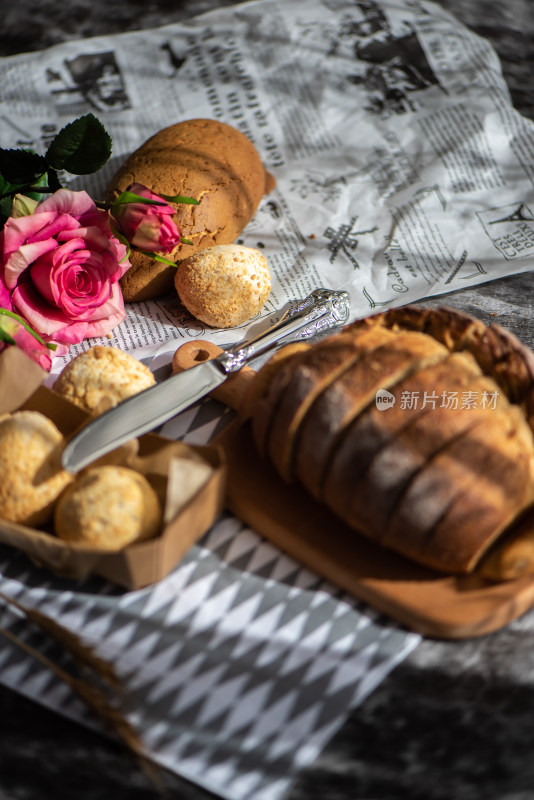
<point>322,310</point>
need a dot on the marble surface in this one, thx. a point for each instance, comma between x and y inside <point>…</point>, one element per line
<point>455,719</point>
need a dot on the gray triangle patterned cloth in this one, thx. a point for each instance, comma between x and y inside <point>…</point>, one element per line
<point>238,667</point>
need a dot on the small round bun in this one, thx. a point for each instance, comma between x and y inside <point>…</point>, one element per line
<point>108,507</point>
<point>102,374</point>
<point>31,477</point>
<point>225,285</point>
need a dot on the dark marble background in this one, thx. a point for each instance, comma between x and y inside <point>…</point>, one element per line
<point>455,721</point>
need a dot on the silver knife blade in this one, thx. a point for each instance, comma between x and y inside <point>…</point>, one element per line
<point>322,310</point>
<point>141,413</point>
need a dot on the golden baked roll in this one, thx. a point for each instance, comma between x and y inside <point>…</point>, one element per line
<point>31,477</point>
<point>102,377</point>
<point>224,286</point>
<point>201,158</point>
<point>437,481</point>
<point>108,507</point>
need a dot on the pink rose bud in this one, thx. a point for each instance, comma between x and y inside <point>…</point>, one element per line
<point>14,332</point>
<point>147,226</point>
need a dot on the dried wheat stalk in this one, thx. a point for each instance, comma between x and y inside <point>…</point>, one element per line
<point>93,693</point>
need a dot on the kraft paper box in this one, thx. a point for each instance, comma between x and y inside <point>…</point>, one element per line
<point>141,563</point>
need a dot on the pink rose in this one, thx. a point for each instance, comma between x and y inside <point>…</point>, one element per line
<point>14,330</point>
<point>148,227</point>
<point>60,267</point>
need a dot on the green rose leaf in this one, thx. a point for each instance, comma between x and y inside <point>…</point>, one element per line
<point>156,257</point>
<point>81,147</point>
<point>131,197</point>
<point>6,200</point>
<point>6,188</point>
<point>5,337</point>
<point>123,240</point>
<point>6,204</point>
<point>181,198</point>
<point>11,314</point>
<point>21,167</point>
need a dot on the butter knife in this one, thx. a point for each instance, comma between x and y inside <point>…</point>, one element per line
<point>321,311</point>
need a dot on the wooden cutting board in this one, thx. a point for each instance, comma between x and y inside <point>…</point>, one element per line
<point>425,601</point>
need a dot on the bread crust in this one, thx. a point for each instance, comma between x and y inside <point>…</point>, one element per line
<point>268,398</point>
<point>481,481</point>
<point>258,388</point>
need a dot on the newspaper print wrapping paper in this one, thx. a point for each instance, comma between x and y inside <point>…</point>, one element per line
<point>238,667</point>
<point>403,171</point>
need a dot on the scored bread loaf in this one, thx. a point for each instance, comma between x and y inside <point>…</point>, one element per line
<point>441,471</point>
<point>205,159</point>
<point>391,446</point>
<point>348,399</point>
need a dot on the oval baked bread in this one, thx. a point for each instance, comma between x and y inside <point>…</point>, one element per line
<point>31,478</point>
<point>201,158</point>
<point>108,507</point>
<point>442,471</point>
<point>102,377</point>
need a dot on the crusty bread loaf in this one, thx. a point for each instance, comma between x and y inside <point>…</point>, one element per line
<point>351,398</point>
<point>201,158</point>
<point>313,374</point>
<point>267,396</point>
<point>464,496</point>
<point>381,363</point>
<point>438,483</point>
<point>298,382</point>
<point>498,352</point>
<point>371,466</point>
